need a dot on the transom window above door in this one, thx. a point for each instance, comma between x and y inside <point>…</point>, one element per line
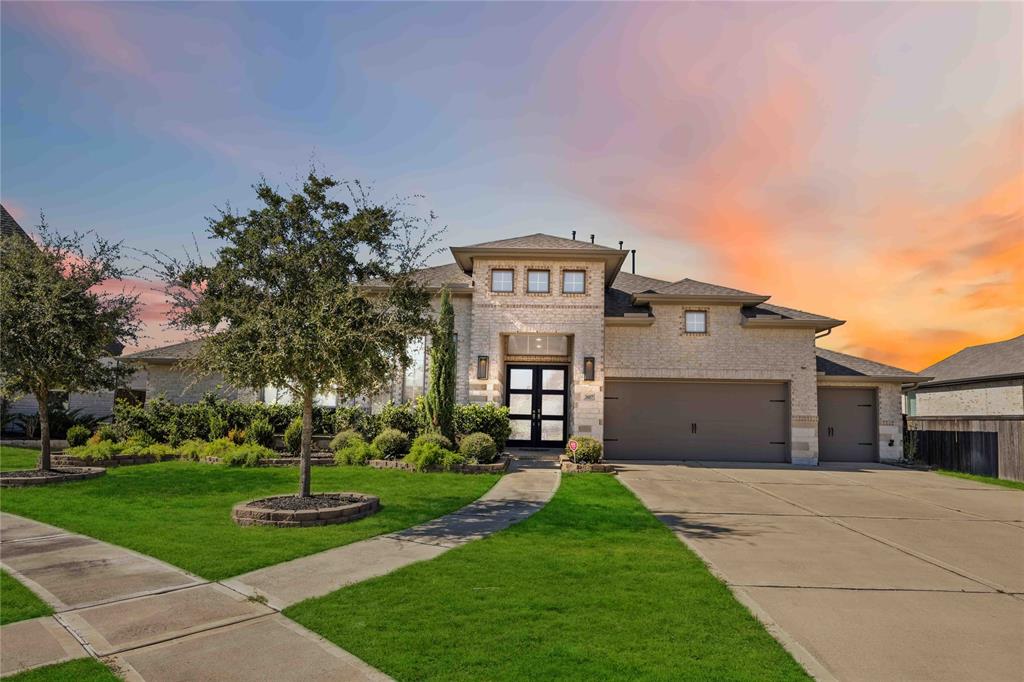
<point>574,282</point>
<point>538,281</point>
<point>502,280</point>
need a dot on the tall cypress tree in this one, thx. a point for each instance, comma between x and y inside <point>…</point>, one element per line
<point>440,399</point>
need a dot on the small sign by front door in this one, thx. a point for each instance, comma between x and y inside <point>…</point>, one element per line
<point>573,445</point>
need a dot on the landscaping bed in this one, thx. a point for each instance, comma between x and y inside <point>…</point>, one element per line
<point>320,509</point>
<point>571,467</point>
<point>62,460</point>
<point>36,477</point>
<point>498,467</point>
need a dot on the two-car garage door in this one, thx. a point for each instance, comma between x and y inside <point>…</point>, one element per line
<point>668,420</point>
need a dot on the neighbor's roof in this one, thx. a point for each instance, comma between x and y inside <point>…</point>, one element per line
<point>834,364</point>
<point>990,360</point>
<point>9,226</point>
<point>172,353</point>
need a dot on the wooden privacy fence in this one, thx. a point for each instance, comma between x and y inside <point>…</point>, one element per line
<point>990,446</point>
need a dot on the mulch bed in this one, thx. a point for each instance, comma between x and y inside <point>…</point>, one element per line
<point>496,468</point>
<point>29,477</point>
<point>290,511</point>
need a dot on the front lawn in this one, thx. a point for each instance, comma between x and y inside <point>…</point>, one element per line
<point>17,602</point>
<point>991,480</point>
<point>592,587</point>
<point>12,459</point>
<point>181,511</point>
<point>79,670</point>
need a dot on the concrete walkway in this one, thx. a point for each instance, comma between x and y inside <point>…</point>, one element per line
<point>152,621</point>
<point>864,572</point>
<point>516,496</point>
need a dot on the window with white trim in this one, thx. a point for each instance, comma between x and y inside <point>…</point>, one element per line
<point>696,322</point>
<point>574,282</point>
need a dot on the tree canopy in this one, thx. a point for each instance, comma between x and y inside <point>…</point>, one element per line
<point>56,325</point>
<point>306,292</point>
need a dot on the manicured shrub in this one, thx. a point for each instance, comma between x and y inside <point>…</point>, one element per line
<point>391,444</point>
<point>193,449</point>
<point>105,432</point>
<point>218,427</point>
<point>589,451</point>
<point>428,455</point>
<point>91,452</point>
<point>189,422</point>
<point>485,418</point>
<point>355,452</point>
<point>260,432</point>
<point>248,455</point>
<point>431,437</point>
<point>236,436</point>
<point>218,448</point>
<point>344,438</point>
<point>478,447</point>
<point>402,417</point>
<point>355,418</point>
<point>78,435</point>
<point>293,436</point>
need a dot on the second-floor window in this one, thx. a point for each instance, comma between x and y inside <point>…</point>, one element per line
<point>574,282</point>
<point>696,322</point>
<point>538,281</point>
<point>501,280</point>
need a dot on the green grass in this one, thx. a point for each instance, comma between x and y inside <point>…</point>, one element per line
<point>991,480</point>
<point>17,458</point>
<point>592,587</point>
<point>181,511</point>
<point>17,602</point>
<point>79,670</point>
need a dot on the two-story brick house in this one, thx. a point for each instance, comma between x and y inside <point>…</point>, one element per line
<point>557,331</point>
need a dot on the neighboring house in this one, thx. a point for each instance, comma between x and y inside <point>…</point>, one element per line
<point>554,329</point>
<point>162,373</point>
<point>986,380</point>
<point>9,226</point>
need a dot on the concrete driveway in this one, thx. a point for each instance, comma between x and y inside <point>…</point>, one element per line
<point>864,572</point>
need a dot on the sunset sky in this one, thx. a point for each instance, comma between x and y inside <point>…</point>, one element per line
<point>864,161</point>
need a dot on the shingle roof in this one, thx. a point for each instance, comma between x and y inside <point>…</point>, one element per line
<point>988,360</point>
<point>635,284</point>
<point>833,363</point>
<point>176,351</point>
<point>440,275</point>
<point>9,226</point>
<point>788,313</point>
<point>538,241</point>
<point>691,287</point>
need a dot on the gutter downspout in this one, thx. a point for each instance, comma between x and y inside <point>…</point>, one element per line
<point>823,334</point>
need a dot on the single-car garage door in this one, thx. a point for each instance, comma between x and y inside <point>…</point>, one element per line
<point>847,430</point>
<point>696,421</point>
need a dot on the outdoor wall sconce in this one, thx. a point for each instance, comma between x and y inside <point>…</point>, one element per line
<point>481,367</point>
<point>588,369</point>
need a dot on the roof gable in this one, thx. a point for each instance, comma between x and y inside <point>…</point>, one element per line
<point>835,364</point>
<point>539,241</point>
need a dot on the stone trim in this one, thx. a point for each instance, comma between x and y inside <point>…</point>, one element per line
<point>244,515</point>
<point>570,467</point>
<point>498,467</point>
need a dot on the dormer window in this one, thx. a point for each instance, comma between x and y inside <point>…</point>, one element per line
<point>502,281</point>
<point>696,321</point>
<point>538,281</point>
<point>574,282</point>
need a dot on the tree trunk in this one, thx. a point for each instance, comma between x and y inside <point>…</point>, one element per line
<point>307,442</point>
<point>42,400</point>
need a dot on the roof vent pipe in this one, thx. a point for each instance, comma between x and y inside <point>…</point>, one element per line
<point>591,239</point>
<point>574,235</point>
<point>634,260</point>
<point>620,245</point>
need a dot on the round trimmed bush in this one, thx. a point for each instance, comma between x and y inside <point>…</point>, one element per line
<point>260,432</point>
<point>107,432</point>
<point>433,437</point>
<point>78,435</point>
<point>478,447</point>
<point>391,444</point>
<point>429,455</point>
<point>345,438</point>
<point>355,452</point>
<point>590,450</point>
<point>293,436</point>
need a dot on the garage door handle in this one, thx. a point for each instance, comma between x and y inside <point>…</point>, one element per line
<point>693,427</point>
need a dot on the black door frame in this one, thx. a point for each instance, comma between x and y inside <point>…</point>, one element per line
<point>538,392</point>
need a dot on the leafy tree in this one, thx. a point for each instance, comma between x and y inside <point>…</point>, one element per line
<point>439,404</point>
<point>306,293</point>
<point>56,327</point>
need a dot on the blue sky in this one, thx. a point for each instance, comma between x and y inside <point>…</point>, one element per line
<point>762,146</point>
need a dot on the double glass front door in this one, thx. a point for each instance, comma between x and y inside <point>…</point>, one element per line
<point>536,399</point>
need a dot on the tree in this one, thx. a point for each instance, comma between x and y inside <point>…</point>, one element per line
<point>439,403</point>
<point>56,327</point>
<point>306,293</point>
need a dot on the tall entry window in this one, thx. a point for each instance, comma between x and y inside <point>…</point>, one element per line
<point>415,378</point>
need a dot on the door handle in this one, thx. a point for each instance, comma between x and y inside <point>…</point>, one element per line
<point>693,427</point>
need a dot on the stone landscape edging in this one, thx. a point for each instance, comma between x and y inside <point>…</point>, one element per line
<point>495,468</point>
<point>570,467</point>
<point>82,474</point>
<point>245,515</point>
